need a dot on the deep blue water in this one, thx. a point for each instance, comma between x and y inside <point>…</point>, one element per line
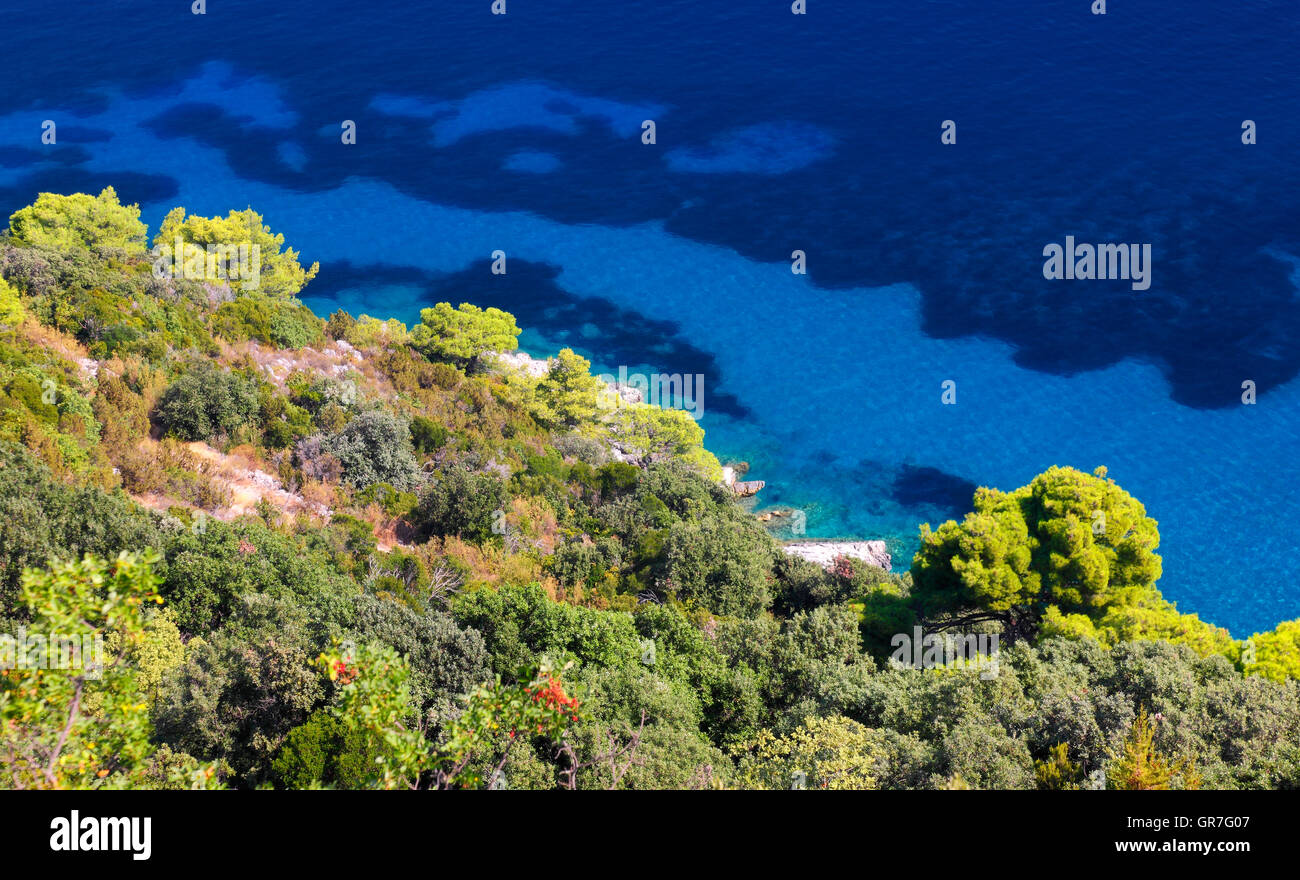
<point>775,133</point>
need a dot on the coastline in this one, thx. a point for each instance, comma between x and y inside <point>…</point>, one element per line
<point>820,551</point>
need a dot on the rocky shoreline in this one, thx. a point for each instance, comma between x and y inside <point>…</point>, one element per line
<point>522,361</point>
<point>824,553</point>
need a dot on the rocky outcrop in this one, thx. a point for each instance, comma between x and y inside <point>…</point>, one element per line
<point>824,552</point>
<point>522,361</point>
<point>629,393</point>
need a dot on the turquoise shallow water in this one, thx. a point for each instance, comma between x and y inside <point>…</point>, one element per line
<point>924,265</point>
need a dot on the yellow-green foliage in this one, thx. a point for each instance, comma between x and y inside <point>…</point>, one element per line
<point>1276,653</point>
<point>12,313</point>
<point>158,651</point>
<point>1058,772</point>
<point>1069,540</point>
<point>43,410</point>
<point>88,726</point>
<point>568,394</point>
<point>651,430</point>
<point>833,753</point>
<point>370,332</point>
<point>464,333</point>
<point>281,275</point>
<point>1150,619</point>
<point>1140,766</point>
<point>80,222</point>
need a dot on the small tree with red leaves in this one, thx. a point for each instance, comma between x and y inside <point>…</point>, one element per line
<point>374,698</point>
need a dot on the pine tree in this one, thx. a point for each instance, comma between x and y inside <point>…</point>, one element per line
<point>1058,772</point>
<point>1140,767</point>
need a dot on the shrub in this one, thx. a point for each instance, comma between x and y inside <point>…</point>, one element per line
<point>242,691</point>
<point>1068,540</point>
<point>207,403</point>
<point>427,435</point>
<point>42,519</point>
<point>568,394</point>
<point>1276,653</point>
<point>325,751</point>
<point>460,502</point>
<point>723,565</point>
<point>77,729</point>
<point>279,274</point>
<point>824,753</point>
<point>375,447</point>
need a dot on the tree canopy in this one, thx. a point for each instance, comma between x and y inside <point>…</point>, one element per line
<point>278,274</point>
<point>80,222</point>
<point>1068,541</point>
<point>464,333</point>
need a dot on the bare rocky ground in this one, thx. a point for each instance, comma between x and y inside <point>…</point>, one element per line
<point>824,553</point>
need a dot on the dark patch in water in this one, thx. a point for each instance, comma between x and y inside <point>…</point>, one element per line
<point>82,134</point>
<point>919,486</point>
<point>131,186</point>
<point>17,157</point>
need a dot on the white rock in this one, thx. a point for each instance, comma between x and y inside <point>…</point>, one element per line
<point>824,552</point>
<point>521,360</point>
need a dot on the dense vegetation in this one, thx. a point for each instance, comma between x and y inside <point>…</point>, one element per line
<point>351,553</point>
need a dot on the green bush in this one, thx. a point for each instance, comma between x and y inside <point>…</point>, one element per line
<point>427,435</point>
<point>80,222</point>
<point>460,502</point>
<point>284,324</point>
<point>325,751</point>
<point>375,447</point>
<point>42,519</point>
<point>206,403</point>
